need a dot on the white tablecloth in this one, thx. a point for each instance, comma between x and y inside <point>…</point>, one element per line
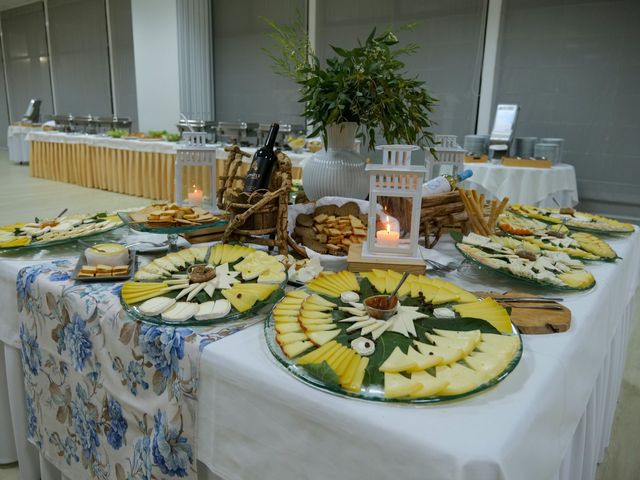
<point>18,144</point>
<point>535,186</point>
<point>551,418</point>
<point>153,146</point>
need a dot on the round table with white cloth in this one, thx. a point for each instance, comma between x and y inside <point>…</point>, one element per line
<point>532,186</point>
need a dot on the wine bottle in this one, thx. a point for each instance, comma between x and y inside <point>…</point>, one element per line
<point>444,183</point>
<point>262,163</point>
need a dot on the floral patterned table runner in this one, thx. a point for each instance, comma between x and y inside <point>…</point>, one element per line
<point>107,397</point>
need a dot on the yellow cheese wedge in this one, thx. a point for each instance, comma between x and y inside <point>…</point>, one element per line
<point>356,383</point>
<point>397,362</point>
<point>397,386</point>
<point>430,385</point>
<point>461,379</point>
<point>319,354</point>
<point>422,361</point>
<point>296,348</point>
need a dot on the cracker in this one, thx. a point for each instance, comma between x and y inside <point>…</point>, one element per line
<point>321,218</point>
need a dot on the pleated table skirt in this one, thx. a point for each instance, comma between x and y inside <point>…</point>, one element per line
<point>142,174</point>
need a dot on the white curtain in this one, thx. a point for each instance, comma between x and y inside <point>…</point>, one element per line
<point>195,54</point>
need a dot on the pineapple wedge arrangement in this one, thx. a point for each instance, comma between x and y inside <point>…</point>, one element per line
<point>204,284</point>
<point>573,219</point>
<point>581,245</point>
<point>526,260</point>
<point>443,342</point>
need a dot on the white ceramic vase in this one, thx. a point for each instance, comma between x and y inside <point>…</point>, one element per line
<point>338,170</point>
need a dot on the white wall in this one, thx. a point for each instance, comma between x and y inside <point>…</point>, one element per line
<point>155,47</point>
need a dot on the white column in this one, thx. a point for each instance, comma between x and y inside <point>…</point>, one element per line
<point>491,39</point>
<point>155,47</point>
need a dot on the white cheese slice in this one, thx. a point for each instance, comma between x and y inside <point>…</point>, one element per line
<point>398,326</point>
<point>444,313</point>
<point>186,291</point>
<point>157,305</point>
<point>205,311</point>
<point>354,319</point>
<point>195,291</point>
<point>180,312</point>
<point>380,330</point>
<point>353,311</point>
<point>373,327</point>
<point>348,297</point>
<point>361,324</point>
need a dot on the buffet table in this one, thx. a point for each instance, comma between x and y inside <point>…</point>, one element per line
<point>18,144</point>
<point>551,418</point>
<point>532,186</point>
<point>143,168</point>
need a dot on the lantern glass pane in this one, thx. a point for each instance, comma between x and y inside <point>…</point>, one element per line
<point>393,229</point>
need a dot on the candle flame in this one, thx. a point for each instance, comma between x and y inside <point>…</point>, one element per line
<point>388,228</point>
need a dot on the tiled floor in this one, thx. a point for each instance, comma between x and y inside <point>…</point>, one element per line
<point>23,197</point>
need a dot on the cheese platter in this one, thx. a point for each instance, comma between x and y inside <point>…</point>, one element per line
<point>440,342</point>
<point>55,231</point>
<point>200,286</point>
<point>573,219</point>
<point>556,237</point>
<point>525,262</point>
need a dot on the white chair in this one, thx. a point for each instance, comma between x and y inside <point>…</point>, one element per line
<point>193,152</point>
<point>448,152</point>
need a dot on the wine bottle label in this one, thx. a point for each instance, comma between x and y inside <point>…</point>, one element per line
<point>435,186</point>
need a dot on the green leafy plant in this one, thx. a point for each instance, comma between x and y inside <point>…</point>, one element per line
<point>367,85</point>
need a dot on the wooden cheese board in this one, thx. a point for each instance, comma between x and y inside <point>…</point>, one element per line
<point>534,318</point>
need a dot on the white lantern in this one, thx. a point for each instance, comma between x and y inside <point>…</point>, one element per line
<point>394,177</point>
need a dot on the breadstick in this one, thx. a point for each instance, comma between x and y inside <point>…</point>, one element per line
<point>478,211</point>
<point>493,216</point>
<point>503,204</point>
<point>469,210</point>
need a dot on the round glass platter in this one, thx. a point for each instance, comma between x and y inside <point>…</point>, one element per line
<point>53,243</point>
<point>372,388</point>
<point>134,311</point>
<point>578,227</point>
<point>472,265</point>
<point>171,232</point>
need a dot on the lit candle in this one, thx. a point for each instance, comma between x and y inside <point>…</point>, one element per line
<point>388,237</point>
<point>195,197</point>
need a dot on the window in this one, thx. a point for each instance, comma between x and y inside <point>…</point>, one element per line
<point>246,89</point>
<point>79,53</point>
<point>450,34</point>
<point>27,59</point>
<point>579,81</point>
